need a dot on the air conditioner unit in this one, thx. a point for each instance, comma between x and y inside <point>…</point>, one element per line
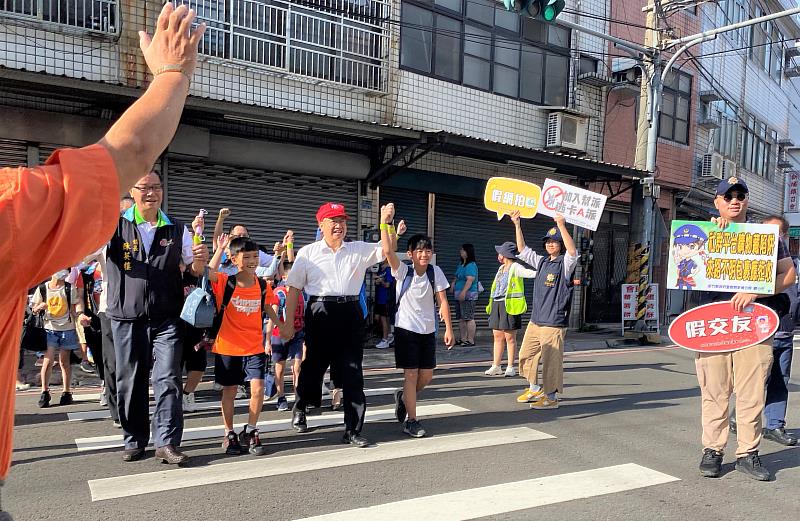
<point>712,166</point>
<point>728,169</point>
<point>567,131</point>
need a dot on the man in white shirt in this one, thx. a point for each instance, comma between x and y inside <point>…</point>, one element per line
<point>331,272</point>
<point>418,287</point>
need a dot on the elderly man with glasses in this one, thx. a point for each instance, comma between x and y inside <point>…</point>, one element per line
<point>743,372</point>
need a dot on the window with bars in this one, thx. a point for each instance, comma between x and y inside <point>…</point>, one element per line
<point>479,44</point>
<point>675,103</point>
<point>342,42</point>
<point>91,15</point>
<point>757,146</point>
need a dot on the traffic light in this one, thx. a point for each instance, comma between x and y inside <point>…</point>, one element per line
<point>546,10</point>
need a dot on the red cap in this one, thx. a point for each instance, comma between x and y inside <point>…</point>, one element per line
<point>331,211</point>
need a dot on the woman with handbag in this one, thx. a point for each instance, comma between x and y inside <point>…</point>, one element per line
<point>506,306</point>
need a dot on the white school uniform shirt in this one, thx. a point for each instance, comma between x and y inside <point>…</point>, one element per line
<point>416,311</point>
<point>321,272</point>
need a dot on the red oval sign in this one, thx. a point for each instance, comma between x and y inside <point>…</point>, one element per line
<point>718,328</point>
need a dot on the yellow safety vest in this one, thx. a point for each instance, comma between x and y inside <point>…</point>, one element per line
<point>515,295</point>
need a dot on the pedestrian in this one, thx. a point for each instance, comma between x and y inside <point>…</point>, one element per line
<point>242,301</point>
<point>281,351</point>
<point>384,286</point>
<point>465,288</point>
<point>421,286</point>
<point>506,306</point>
<point>782,349</point>
<point>36,211</point>
<point>743,372</point>
<point>63,313</point>
<point>331,271</point>
<point>86,363</point>
<point>194,358</point>
<point>145,296</point>
<point>552,294</point>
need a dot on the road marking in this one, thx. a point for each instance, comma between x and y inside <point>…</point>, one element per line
<point>325,420</point>
<point>205,406</point>
<point>137,484</point>
<point>510,497</point>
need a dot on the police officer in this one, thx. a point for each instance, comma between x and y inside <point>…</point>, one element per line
<point>145,296</point>
<point>552,294</point>
<point>331,271</point>
<point>743,372</point>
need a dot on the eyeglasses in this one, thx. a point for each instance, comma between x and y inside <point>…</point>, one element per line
<point>150,188</point>
<point>739,197</point>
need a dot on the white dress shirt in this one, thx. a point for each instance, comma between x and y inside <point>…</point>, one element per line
<point>321,272</point>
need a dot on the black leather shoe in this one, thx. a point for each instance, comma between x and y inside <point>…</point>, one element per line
<point>171,455</point>
<point>780,436</point>
<point>354,438</point>
<point>752,466</point>
<point>132,454</point>
<point>299,420</point>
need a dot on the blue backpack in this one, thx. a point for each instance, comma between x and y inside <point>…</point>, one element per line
<point>429,271</point>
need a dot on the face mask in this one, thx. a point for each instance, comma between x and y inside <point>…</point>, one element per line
<point>63,274</point>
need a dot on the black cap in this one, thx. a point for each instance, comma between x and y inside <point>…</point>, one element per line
<point>508,250</point>
<point>731,183</point>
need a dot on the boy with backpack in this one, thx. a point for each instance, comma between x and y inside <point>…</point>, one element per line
<point>281,350</point>
<point>419,286</point>
<point>242,299</point>
<point>63,311</point>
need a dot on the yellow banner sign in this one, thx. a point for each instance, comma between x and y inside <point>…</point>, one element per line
<point>504,195</point>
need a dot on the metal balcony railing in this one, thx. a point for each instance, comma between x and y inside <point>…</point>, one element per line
<point>92,15</point>
<point>342,42</point>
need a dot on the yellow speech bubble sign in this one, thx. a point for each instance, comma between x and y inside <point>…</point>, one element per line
<point>503,195</point>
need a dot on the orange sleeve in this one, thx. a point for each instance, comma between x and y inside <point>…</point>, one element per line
<point>56,214</point>
<point>218,288</point>
<point>270,299</point>
<point>51,216</point>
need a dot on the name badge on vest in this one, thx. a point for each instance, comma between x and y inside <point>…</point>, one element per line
<point>550,280</point>
<point>164,243</point>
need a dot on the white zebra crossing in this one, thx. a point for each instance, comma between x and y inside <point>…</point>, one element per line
<point>208,406</point>
<point>507,497</point>
<point>151,482</point>
<point>324,420</point>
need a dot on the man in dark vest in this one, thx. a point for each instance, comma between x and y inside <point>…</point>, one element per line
<point>145,296</point>
<point>552,294</point>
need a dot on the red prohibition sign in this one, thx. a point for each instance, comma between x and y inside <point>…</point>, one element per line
<point>551,195</point>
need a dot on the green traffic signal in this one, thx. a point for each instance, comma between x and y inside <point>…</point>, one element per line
<point>546,10</point>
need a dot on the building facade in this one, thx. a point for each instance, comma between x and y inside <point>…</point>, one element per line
<point>363,101</point>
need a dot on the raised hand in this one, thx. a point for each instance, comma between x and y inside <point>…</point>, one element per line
<point>224,213</point>
<point>173,45</point>
<point>387,213</point>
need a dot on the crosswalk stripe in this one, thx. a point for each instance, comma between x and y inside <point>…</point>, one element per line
<point>205,406</point>
<point>509,497</point>
<point>137,484</point>
<point>324,420</point>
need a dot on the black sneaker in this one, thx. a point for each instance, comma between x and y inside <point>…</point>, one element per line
<point>299,420</point>
<point>711,464</point>
<point>751,465</point>
<point>66,399</point>
<point>414,429</point>
<point>251,442</point>
<point>231,444</point>
<point>44,399</point>
<point>399,406</point>
<point>780,436</point>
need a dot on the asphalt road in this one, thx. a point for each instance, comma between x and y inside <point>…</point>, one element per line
<point>624,445</point>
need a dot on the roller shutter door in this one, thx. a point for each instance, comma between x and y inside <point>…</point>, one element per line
<point>462,220</point>
<point>411,207</point>
<point>268,203</point>
<point>13,153</point>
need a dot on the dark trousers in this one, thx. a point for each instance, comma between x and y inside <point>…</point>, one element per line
<point>335,338</point>
<point>109,365</point>
<point>137,343</point>
<point>778,383</point>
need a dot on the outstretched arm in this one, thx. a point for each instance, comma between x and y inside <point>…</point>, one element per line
<point>143,132</point>
<point>389,240</point>
<point>514,216</point>
<point>569,244</point>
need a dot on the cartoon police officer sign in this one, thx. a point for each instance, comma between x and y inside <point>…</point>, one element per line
<point>742,257</point>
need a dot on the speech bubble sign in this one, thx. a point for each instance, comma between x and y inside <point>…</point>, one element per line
<point>504,195</point>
